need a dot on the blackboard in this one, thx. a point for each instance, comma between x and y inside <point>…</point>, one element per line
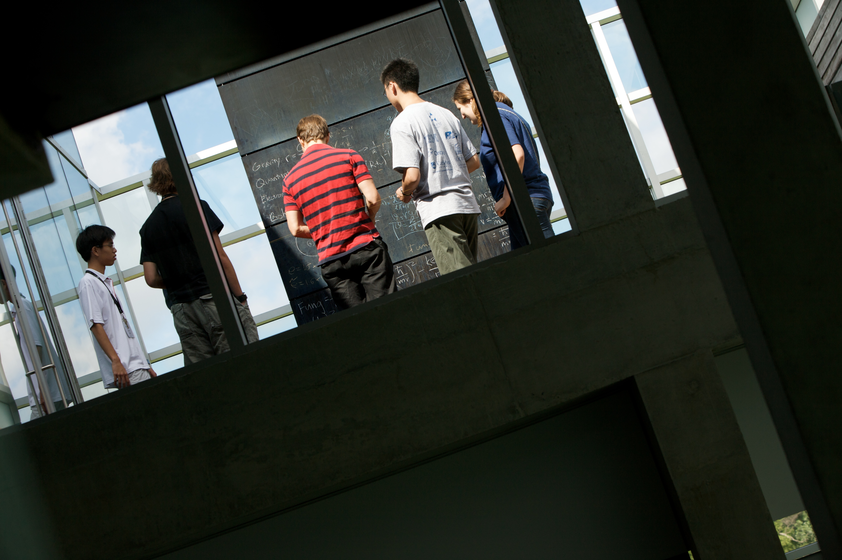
<point>297,261</point>
<point>313,306</point>
<point>369,135</point>
<point>341,82</point>
<point>338,82</point>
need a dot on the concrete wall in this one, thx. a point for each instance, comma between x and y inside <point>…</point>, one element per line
<point>366,392</point>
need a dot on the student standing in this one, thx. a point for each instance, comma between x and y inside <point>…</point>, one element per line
<point>435,158</point>
<point>526,153</point>
<point>330,197</point>
<point>121,360</point>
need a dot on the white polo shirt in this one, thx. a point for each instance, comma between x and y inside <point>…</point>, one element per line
<point>99,307</point>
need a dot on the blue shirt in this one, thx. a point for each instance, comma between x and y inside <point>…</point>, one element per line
<point>518,131</point>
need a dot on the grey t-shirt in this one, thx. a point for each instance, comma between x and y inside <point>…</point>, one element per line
<point>431,138</point>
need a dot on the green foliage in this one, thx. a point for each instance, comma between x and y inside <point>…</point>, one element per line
<point>795,531</point>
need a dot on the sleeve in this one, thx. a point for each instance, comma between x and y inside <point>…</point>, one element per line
<point>468,149</point>
<point>512,129</point>
<point>360,169</point>
<point>214,223</point>
<point>289,201</point>
<point>32,322</point>
<point>90,304</point>
<point>405,150</point>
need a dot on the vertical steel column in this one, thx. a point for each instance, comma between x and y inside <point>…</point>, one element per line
<point>25,331</point>
<point>43,291</point>
<point>202,236</point>
<point>491,119</point>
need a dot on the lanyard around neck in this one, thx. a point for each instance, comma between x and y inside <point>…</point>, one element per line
<point>110,293</point>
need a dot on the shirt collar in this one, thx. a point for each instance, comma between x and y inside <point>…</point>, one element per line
<point>99,275</point>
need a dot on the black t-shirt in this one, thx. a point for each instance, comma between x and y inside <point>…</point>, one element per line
<point>166,241</point>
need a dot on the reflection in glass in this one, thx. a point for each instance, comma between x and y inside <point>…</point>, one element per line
<point>200,117</point>
<point>125,214</point>
<point>223,184</point>
<point>11,361</point>
<point>654,136</point>
<point>258,275</point>
<point>619,43</point>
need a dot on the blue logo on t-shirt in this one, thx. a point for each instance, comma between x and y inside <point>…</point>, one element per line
<point>450,135</point>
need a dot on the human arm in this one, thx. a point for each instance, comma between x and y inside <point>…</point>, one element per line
<point>501,205</point>
<point>121,376</point>
<point>473,163</point>
<point>409,182</point>
<point>519,155</point>
<point>372,197</point>
<point>296,225</point>
<point>228,267</point>
<point>152,276</point>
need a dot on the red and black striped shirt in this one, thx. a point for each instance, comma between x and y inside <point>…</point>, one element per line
<point>322,187</point>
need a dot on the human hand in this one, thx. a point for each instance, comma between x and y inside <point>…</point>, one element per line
<point>403,197</point>
<point>152,373</point>
<point>501,205</point>
<point>121,376</point>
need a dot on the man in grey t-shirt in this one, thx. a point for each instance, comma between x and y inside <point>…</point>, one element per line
<point>432,152</point>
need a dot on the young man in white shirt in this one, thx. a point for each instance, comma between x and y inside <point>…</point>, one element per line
<point>121,360</point>
<point>435,158</point>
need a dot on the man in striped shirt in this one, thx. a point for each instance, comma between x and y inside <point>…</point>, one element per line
<point>330,197</point>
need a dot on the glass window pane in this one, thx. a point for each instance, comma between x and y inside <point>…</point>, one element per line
<point>674,186</point>
<point>485,24</point>
<point>170,364</point>
<point>591,7</point>
<point>278,326</point>
<point>624,56</point>
<point>125,214</point>
<point>79,188</point>
<point>258,274</point>
<point>654,136</point>
<point>200,117</point>
<point>65,140</point>
<point>223,184</point>
<point>57,253</point>
<point>11,360</point>
<point>78,338</point>
<point>119,145</point>
<point>153,318</point>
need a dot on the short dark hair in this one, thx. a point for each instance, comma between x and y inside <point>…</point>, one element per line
<point>404,73</point>
<point>14,272</point>
<point>90,237</point>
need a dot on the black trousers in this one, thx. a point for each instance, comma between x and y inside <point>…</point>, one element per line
<point>361,276</point>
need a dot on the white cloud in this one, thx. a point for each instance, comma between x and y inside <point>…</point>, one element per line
<point>106,155</point>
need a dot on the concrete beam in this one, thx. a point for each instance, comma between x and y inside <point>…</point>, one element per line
<point>575,111</point>
<point>708,461</point>
<point>761,154</point>
<point>377,388</point>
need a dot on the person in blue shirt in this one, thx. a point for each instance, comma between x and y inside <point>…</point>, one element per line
<point>526,154</point>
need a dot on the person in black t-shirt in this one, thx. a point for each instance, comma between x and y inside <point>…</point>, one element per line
<point>170,262</point>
